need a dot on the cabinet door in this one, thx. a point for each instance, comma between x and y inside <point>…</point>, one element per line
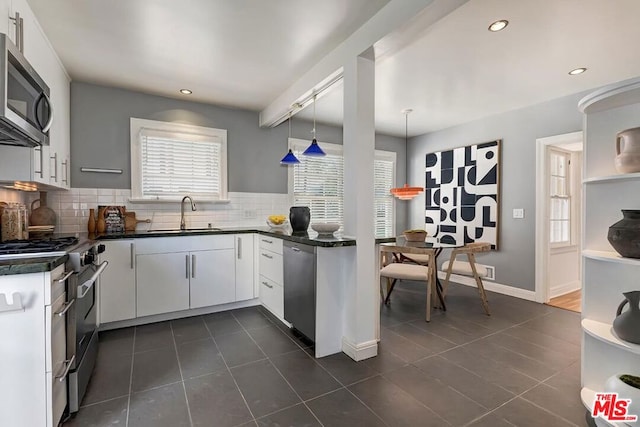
<point>162,283</point>
<point>118,282</point>
<point>244,267</point>
<point>213,277</point>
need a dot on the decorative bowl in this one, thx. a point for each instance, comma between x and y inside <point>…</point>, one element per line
<point>326,228</point>
<point>415,235</point>
<point>283,224</point>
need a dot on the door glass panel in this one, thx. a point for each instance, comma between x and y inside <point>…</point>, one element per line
<point>23,95</point>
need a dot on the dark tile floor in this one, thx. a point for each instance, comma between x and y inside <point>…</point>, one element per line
<point>519,367</point>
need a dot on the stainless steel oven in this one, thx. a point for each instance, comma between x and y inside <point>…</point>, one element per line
<point>82,335</point>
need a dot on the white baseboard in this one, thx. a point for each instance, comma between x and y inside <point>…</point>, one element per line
<point>360,351</point>
<point>491,286</point>
<point>564,288</point>
<point>178,314</point>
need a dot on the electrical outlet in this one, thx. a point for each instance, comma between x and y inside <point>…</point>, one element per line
<point>250,213</point>
<point>518,213</point>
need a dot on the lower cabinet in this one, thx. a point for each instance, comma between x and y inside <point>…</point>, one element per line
<point>158,275</point>
<point>213,278</point>
<point>272,296</point>
<point>271,268</point>
<point>162,283</point>
<point>117,286</point>
<point>245,277</point>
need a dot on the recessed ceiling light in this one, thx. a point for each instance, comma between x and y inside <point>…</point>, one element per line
<point>185,91</point>
<point>577,71</point>
<point>498,25</point>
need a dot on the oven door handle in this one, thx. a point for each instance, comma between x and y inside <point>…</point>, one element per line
<point>86,286</point>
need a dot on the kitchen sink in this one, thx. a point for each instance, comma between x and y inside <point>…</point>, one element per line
<point>186,230</point>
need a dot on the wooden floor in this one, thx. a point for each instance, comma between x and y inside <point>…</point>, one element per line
<point>571,301</point>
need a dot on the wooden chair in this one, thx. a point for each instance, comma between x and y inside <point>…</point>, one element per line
<point>469,268</point>
<point>394,271</point>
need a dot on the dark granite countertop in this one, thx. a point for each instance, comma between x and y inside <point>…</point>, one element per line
<point>311,238</point>
<point>30,265</point>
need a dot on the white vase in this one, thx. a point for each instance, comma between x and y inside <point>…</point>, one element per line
<point>625,391</point>
<point>628,151</point>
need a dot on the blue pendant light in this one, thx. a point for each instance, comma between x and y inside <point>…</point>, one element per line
<point>289,158</point>
<point>314,149</point>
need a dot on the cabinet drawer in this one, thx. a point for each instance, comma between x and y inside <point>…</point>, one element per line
<point>56,397</point>
<point>56,336</point>
<point>271,243</point>
<point>272,296</point>
<point>271,266</point>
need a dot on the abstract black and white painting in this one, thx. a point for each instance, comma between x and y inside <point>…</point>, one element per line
<point>462,194</point>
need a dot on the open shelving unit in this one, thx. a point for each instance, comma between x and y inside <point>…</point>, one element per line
<point>606,275</point>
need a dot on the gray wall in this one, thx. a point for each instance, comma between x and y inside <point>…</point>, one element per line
<point>518,130</point>
<point>100,139</point>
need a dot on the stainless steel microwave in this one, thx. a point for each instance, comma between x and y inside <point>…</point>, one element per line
<point>26,112</point>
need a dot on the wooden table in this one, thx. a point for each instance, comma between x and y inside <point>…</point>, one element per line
<point>430,246</point>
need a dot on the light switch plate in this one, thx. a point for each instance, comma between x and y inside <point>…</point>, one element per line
<point>518,213</point>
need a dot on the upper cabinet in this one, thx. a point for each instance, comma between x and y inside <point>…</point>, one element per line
<point>50,165</point>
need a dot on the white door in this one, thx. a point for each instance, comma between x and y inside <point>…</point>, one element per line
<point>162,283</point>
<point>245,277</point>
<point>118,282</point>
<point>213,277</point>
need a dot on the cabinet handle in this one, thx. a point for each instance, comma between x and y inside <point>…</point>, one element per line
<point>239,247</point>
<point>267,285</point>
<point>41,171</point>
<point>267,241</point>
<point>66,172</point>
<point>63,375</point>
<point>187,265</point>
<point>193,266</point>
<point>266,256</point>
<point>65,276</point>
<point>131,252</point>
<point>66,308</point>
<point>55,167</point>
<point>19,23</point>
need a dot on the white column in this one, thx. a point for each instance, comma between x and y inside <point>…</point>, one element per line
<point>361,293</point>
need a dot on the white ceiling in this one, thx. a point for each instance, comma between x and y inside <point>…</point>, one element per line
<point>244,53</point>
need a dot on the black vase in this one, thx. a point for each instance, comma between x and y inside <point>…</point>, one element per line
<point>299,217</point>
<point>624,235</point>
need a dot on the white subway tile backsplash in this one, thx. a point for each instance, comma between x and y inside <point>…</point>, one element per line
<point>73,209</point>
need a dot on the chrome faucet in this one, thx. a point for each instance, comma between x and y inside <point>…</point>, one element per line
<point>193,208</point>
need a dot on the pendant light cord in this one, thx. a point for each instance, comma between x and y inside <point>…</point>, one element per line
<point>314,116</point>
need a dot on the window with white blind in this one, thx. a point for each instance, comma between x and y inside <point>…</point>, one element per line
<point>560,198</point>
<point>318,182</point>
<point>171,160</point>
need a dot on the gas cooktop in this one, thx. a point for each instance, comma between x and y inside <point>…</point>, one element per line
<point>13,249</point>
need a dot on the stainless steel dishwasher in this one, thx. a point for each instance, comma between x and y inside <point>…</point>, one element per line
<point>300,287</point>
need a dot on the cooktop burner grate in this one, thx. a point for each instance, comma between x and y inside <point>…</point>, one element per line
<point>36,246</point>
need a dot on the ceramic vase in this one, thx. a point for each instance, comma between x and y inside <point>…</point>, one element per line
<point>627,325</point>
<point>624,235</point>
<point>628,151</point>
<point>101,224</point>
<point>299,218</point>
<point>91,224</point>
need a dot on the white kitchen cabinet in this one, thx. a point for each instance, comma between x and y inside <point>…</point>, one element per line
<point>245,271</point>
<point>271,278</point>
<point>162,283</point>
<point>213,280</point>
<point>51,165</point>
<point>117,287</point>
<point>178,273</point>
<point>33,350</point>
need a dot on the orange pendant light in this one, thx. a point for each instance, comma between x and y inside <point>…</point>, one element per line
<point>406,192</point>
